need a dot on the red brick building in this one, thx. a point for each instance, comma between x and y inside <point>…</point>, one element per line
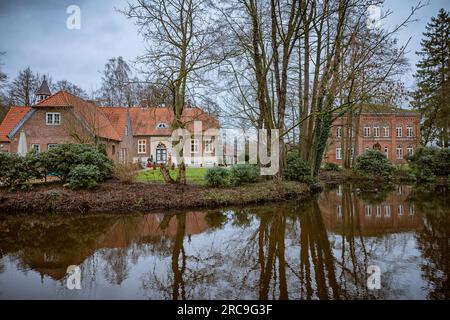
<point>393,131</point>
<point>129,134</point>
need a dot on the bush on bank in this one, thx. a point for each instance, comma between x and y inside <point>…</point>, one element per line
<point>428,163</point>
<point>296,169</point>
<point>63,161</point>
<point>217,177</point>
<point>374,164</point>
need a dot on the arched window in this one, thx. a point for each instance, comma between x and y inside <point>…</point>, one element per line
<point>161,153</point>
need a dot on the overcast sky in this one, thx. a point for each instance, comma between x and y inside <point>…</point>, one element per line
<point>34,33</point>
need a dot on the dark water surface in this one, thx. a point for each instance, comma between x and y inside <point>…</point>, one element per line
<point>317,249</point>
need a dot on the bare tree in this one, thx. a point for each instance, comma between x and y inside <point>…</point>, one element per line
<point>117,87</point>
<point>182,47</point>
<point>22,90</point>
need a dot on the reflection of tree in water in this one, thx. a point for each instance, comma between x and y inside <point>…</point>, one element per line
<point>433,240</point>
<point>188,275</point>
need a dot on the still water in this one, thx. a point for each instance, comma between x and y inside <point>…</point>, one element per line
<point>317,249</point>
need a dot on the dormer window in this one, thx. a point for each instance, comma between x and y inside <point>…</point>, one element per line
<point>162,125</point>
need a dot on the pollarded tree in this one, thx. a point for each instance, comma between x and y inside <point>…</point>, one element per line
<point>432,98</point>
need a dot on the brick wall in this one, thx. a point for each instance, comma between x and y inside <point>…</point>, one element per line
<point>386,144</point>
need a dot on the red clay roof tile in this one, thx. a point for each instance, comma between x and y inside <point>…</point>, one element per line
<point>12,119</point>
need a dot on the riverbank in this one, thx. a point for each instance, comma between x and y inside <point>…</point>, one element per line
<point>113,195</point>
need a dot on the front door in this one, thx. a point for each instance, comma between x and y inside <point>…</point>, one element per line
<point>161,153</point>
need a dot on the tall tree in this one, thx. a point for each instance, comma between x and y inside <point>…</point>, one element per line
<point>3,98</point>
<point>116,86</point>
<point>432,98</point>
<point>22,90</point>
<point>69,87</point>
<point>182,41</point>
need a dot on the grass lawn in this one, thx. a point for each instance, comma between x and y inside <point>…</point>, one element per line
<point>193,175</point>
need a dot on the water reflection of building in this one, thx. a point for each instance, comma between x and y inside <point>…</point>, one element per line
<point>371,213</point>
<point>53,258</point>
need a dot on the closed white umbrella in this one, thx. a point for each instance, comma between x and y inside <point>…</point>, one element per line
<point>22,148</point>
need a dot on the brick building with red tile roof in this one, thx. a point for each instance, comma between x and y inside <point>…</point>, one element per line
<point>129,134</point>
<point>393,131</point>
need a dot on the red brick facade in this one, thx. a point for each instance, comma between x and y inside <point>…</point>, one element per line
<point>395,134</point>
<point>119,128</point>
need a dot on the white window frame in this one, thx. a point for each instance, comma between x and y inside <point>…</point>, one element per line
<point>411,210</point>
<point>339,210</point>
<point>376,132</point>
<point>368,210</point>
<point>338,153</point>
<point>338,131</point>
<point>34,145</point>
<point>378,211</point>
<point>386,152</point>
<point>123,154</point>
<point>399,153</point>
<point>399,132</point>
<point>409,132</point>
<point>400,210</point>
<point>386,131</point>
<point>410,151</point>
<point>195,144</point>
<point>366,131</point>
<point>50,118</point>
<point>142,146</point>
<point>209,146</point>
<point>127,131</point>
<point>51,145</point>
<point>387,211</point>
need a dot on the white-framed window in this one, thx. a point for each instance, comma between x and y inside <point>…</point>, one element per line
<point>123,154</point>
<point>400,210</point>
<point>338,132</point>
<point>142,146</point>
<point>386,152</point>
<point>194,145</point>
<point>127,131</point>
<point>378,211</point>
<point>339,211</point>
<point>399,152</point>
<point>339,191</point>
<point>53,118</point>
<point>51,145</point>
<point>409,151</point>
<point>162,125</point>
<point>409,131</point>
<point>208,146</point>
<point>411,210</point>
<point>387,211</point>
<point>338,153</point>
<point>399,132</point>
<point>386,131</point>
<point>376,132</point>
<point>36,147</point>
<point>366,131</point>
<point>368,210</point>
